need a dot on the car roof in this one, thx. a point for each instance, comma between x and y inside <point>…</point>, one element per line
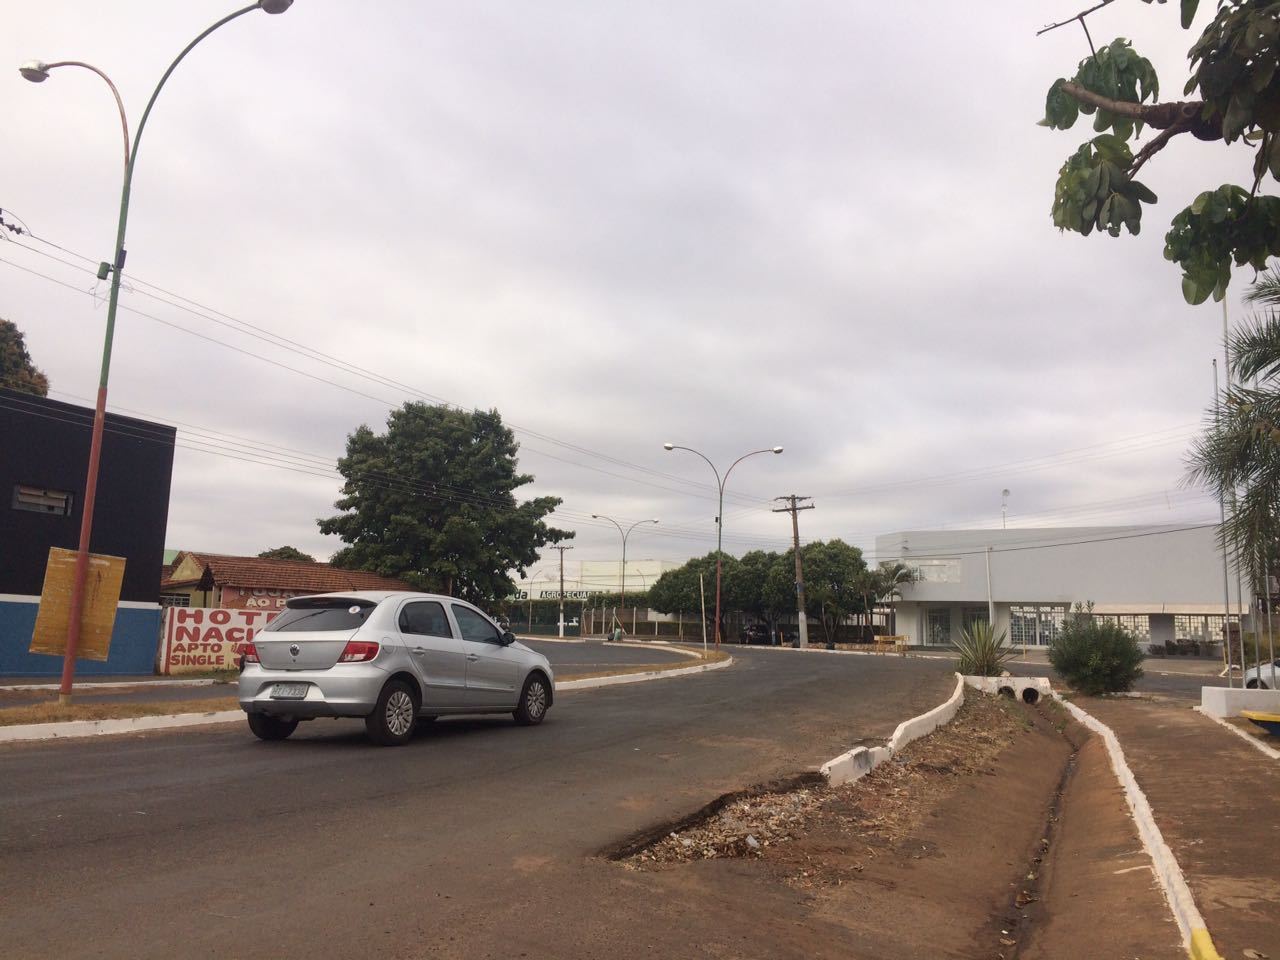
<point>380,596</point>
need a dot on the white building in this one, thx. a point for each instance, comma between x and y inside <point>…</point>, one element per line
<point>1163,583</point>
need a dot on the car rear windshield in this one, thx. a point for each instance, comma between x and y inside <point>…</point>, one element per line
<point>321,613</point>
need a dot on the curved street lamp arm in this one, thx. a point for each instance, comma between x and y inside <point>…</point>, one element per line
<point>741,458</point>
<point>633,526</point>
<point>137,137</point>
<point>124,120</point>
<point>719,482</point>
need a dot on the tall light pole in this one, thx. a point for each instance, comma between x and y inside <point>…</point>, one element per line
<point>720,483</point>
<point>38,72</point>
<point>598,516</point>
<point>1004,509</point>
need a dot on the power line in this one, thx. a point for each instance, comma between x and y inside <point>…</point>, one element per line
<point>281,342</point>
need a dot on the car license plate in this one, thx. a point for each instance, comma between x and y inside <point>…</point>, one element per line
<point>289,691</point>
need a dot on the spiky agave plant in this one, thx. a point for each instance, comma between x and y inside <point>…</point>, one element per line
<point>982,651</point>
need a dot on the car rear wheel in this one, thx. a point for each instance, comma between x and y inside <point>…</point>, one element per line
<point>271,728</point>
<point>534,700</point>
<point>1256,684</point>
<point>391,723</point>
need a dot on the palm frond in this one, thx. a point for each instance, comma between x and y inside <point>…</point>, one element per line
<point>1255,347</point>
<point>1266,288</point>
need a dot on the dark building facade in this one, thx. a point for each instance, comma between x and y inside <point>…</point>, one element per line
<point>44,455</point>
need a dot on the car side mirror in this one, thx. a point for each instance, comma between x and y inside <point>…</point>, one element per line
<point>508,638</point>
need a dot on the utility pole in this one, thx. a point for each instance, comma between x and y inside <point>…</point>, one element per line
<point>562,550</point>
<point>794,506</point>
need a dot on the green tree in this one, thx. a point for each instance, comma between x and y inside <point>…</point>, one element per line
<point>17,372</point>
<point>832,582</point>
<point>746,587</point>
<point>677,591</point>
<point>1238,456</point>
<point>286,553</point>
<point>432,502</point>
<point>1234,69</point>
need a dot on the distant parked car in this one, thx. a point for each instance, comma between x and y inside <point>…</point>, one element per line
<point>393,658</point>
<point>1255,681</point>
<point>759,633</point>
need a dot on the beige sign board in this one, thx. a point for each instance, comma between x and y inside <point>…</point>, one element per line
<point>98,617</point>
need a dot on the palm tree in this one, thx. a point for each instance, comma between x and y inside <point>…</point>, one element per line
<point>895,576</point>
<point>1238,456</point>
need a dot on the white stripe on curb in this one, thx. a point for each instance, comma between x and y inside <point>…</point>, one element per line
<point>1271,752</point>
<point>590,682</point>
<point>71,729</point>
<point>95,728</point>
<point>860,761</point>
<point>92,685</point>
<point>1172,882</point>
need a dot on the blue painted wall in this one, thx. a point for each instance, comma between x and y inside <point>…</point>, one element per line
<point>133,644</point>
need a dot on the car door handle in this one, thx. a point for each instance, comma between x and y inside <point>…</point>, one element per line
<point>472,657</point>
<point>420,650</point>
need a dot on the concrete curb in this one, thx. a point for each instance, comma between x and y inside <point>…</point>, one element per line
<point>895,655</point>
<point>86,687</point>
<point>73,729</point>
<point>611,681</point>
<point>860,761</point>
<point>1195,935</point>
<point>1271,752</point>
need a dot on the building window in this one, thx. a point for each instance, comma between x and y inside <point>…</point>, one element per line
<point>1036,625</point>
<point>937,626</point>
<point>1022,626</point>
<point>175,600</point>
<point>1137,624</point>
<point>39,500</point>
<point>972,615</point>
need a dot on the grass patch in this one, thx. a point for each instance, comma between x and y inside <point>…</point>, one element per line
<point>56,713</point>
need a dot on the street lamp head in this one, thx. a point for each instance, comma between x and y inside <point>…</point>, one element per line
<point>37,71</point>
<point>275,6</point>
<point>777,449</point>
<point>654,520</point>
<point>1004,493</point>
<point>595,516</point>
<point>668,446</point>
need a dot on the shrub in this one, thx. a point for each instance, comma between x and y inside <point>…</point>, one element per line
<point>1096,656</point>
<point>982,653</point>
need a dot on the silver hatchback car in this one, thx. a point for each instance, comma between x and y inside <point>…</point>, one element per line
<point>394,659</point>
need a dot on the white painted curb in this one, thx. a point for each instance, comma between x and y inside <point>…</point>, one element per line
<point>592,682</point>
<point>888,654</point>
<point>1172,882</point>
<point>116,684</point>
<point>860,761</point>
<point>71,729</point>
<point>1271,752</point>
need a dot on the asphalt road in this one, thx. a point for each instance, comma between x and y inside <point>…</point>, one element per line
<point>566,658</point>
<point>477,839</point>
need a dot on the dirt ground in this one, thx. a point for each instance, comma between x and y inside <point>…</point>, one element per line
<point>962,846</point>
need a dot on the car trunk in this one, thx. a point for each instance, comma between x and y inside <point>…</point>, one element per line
<point>314,651</point>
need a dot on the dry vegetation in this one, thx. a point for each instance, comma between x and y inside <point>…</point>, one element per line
<point>55,713</point>
<point>878,811</point>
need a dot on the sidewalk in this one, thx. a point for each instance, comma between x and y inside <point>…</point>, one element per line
<point>1215,800</point>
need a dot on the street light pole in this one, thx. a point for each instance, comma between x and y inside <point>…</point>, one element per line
<point>38,72</point>
<point>623,579</point>
<point>720,484</point>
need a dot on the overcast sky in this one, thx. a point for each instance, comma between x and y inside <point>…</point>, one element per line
<point>725,224</point>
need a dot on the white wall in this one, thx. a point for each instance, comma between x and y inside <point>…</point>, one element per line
<point>1123,569</point>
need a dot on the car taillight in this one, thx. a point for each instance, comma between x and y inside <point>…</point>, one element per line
<point>249,653</point>
<point>358,651</point>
